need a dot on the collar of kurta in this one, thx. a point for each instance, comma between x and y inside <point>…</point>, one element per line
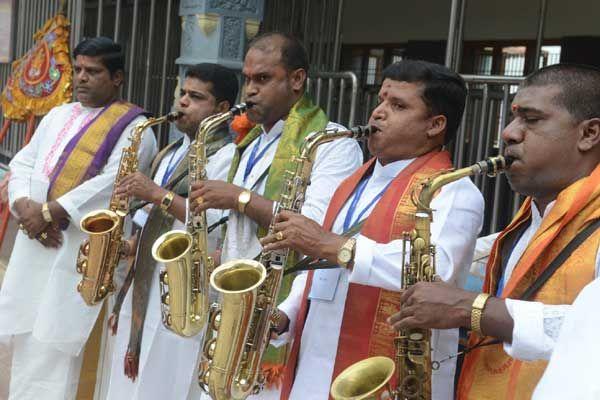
<point>304,117</point>
<point>88,151</point>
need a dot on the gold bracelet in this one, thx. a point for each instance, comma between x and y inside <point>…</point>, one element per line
<point>477,312</point>
<point>46,213</point>
<point>166,201</point>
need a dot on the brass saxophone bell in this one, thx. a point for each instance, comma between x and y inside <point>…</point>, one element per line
<point>367,379</point>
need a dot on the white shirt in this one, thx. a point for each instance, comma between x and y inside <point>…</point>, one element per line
<point>49,305</point>
<point>536,325</point>
<point>458,218</point>
<point>572,372</point>
<point>334,162</point>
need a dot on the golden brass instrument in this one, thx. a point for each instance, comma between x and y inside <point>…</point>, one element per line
<point>242,322</point>
<point>100,253</point>
<point>185,279</point>
<point>413,346</point>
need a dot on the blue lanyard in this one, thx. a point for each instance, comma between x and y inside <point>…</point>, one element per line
<point>171,166</point>
<point>254,158</point>
<point>357,194</point>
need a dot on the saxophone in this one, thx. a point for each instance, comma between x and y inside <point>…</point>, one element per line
<point>99,255</point>
<point>369,378</point>
<point>240,327</point>
<point>184,280</point>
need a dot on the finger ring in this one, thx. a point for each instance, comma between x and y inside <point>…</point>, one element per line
<point>25,231</point>
<point>279,236</point>
<point>199,200</point>
<point>43,236</point>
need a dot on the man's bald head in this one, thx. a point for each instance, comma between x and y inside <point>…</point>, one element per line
<point>292,53</point>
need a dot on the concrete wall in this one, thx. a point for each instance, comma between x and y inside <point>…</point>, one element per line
<point>394,21</point>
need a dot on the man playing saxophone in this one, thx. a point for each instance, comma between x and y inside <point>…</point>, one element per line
<point>275,69</point>
<point>420,108</point>
<point>67,170</point>
<point>150,352</point>
<point>554,141</point>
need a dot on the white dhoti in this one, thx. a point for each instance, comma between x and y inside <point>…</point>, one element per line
<point>39,371</point>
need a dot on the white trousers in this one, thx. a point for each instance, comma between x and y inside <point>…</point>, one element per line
<point>39,371</point>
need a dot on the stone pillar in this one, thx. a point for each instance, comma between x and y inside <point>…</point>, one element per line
<point>217,30</point>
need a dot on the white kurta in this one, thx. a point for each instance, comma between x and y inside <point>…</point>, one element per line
<point>39,293</point>
<point>168,362</point>
<point>572,372</point>
<point>334,161</point>
<point>457,220</point>
<point>49,304</point>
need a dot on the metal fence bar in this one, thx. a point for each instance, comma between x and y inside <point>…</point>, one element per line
<point>149,53</point>
<point>163,74</point>
<point>99,19</point>
<point>540,35</point>
<point>132,52</point>
<point>454,10</point>
<point>499,179</point>
<point>338,100</point>
<point>117,20</point>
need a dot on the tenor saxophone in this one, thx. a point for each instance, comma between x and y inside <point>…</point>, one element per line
<point>184,280</point>
<point>100,253</point>
<point>240,327</point>
<point>370,378</point>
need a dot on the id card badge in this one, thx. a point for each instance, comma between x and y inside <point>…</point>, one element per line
<point>324,284</point>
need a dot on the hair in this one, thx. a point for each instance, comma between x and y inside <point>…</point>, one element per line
<point>110,53</point>
<point>225,85</point>
<point>293,53</point>
<point>579,84</point>
<point>444,91</point>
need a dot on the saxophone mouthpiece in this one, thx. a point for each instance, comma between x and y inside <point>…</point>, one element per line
<point>172,116</point>
<point>363,131</point>
<point>240,108</point>
<point>508,160</point>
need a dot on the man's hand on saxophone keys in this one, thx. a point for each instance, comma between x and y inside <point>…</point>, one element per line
<point>141,187</point>
<point>297,232</point>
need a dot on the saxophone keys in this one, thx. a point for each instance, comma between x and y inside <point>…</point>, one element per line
<point>166,299</point>
<point>168,320</point>
<point>164,278</point>
<point>418,243</point>
<point>215,321</point>
<point>80,286</point>
<point>195,318</point>
<point>81,266</point>
<point>204,373</point>
<point>102,291</point>
<point>209,348</point>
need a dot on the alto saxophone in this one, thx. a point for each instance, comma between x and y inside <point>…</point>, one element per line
<point>99,255</point>
<point>369,378</point>
<point>184,280</point>
<point>249,289</point>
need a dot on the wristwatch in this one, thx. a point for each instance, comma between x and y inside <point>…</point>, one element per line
<point>243,200</point>
<point>166,201</point>
<point>477,312</point>
<point>46,213</point>
<point>346,253</point>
